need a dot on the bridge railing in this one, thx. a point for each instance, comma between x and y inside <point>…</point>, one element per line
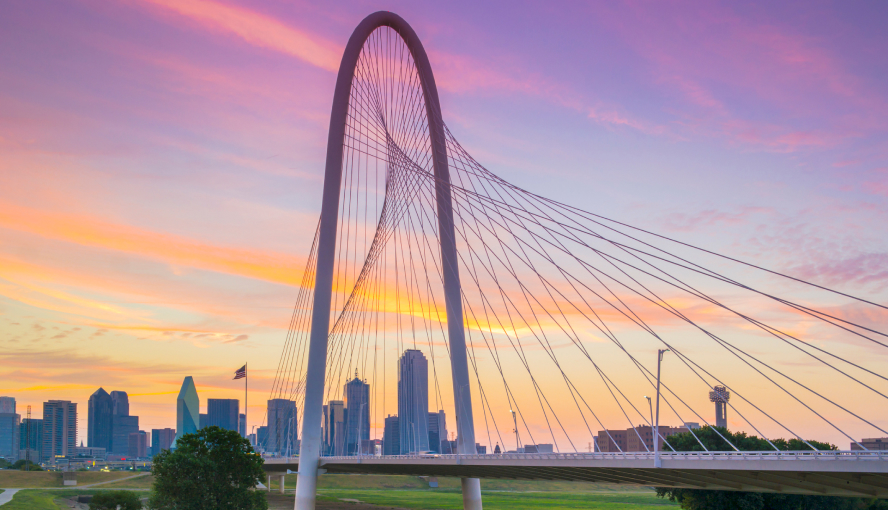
<point>846,455</point>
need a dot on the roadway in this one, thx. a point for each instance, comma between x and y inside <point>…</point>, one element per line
<point>850,473</point>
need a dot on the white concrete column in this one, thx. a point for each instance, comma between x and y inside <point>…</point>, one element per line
<point>471,492</point>
<point>282,483</point>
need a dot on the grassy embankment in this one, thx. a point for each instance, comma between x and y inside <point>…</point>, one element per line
<point>388,491</point>
<point>40,499</point>
<point>414,493</point>
<point>384,482</point>
<point>452,500</point>
<point>13,479</point>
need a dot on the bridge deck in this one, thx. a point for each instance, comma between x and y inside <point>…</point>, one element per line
<point>821,473</point>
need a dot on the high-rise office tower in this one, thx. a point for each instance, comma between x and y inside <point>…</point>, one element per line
<point>334,428</point>
<point>261,437</point>
<point>7,405</point>
<point>282,427</point>
<point>413,402</point>
<point>222,413</point>
<point>120,401</point>
<point>137,443</point>
<point>10,423</point>
<point>391,437</point>
<point>242,424</point>
<point>437,431</point>
<point>31,439</point>
<point>122,424</point>
<point>59,428</point>
<point>121,428</point>
<point>720,395</point>
<point>99,414</point>
<point>161,439</point>
<point>187,409</point>
<point>357,426</point>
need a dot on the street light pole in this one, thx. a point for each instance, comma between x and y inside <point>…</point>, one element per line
<point>657,463</point>
<point>515,422</point>
<point>651,409</point>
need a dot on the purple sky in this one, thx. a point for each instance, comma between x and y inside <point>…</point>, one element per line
<point>161,160</point>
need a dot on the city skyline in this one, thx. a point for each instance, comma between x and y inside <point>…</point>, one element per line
<point>153,235</point>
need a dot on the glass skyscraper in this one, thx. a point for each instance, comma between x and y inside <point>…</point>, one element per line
<point>31,438</point>
<point>282,427</point>
<point>120,402</point>
<point>59,428</point>
<point>437,431</point>
<point>413,402</point>
<point>391,438</point>
<point>357,425</point>
<point>334,428</point>
<point>9,429</point>
<point>161,439</point>
<point>223,413</point>
<point>99,413</point>
<point>187,409</point>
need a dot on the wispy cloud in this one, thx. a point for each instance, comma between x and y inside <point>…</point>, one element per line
<point>176,250</point>
<point>680,222</point>
<point>256,29</point>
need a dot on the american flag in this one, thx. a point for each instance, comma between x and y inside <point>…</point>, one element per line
<point>240,373</point>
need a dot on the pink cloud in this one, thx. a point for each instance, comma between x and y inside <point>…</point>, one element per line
<point>257,29</point>
<point>862,269</point>
<point>879,183</point>
<point>711,217</point>
<point>846,162</point>
<point>614,119</point>
<point>719,63</point>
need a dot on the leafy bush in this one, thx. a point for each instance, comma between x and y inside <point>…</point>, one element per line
<point>111,500</point>
<point>699,499</point>
<point>208,470</point>
<point>20,464</point>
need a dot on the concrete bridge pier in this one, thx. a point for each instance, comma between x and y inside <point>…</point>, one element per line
<point>282,484</point>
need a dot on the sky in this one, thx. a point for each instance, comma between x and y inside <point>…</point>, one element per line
<point>161,161</point>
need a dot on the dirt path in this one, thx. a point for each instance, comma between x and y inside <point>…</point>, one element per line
<point>109,481</point>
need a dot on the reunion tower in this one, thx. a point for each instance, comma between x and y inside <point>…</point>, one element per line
<point>720,395</point>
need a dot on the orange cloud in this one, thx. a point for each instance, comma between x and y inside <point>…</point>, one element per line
<point>257,29</point>
<point>176,250</point>
<point>22,289</point>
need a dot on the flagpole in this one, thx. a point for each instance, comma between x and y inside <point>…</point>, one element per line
<point>246,384</point>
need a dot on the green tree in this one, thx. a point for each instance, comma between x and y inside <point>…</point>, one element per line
<point>710,437</point>
<point>212,469</point>
<point>20,464</point>
<point>112,500</point>
<point>714,439</point>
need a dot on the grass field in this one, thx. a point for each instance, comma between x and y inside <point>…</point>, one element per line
<point>414,482</point>
<point>341,491</point>
<point>32,500</point>
<point>451,499</point>
<point>443,499</point>
<point>40,500</point>
<point>143,482</point>
<point>13,479</point>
